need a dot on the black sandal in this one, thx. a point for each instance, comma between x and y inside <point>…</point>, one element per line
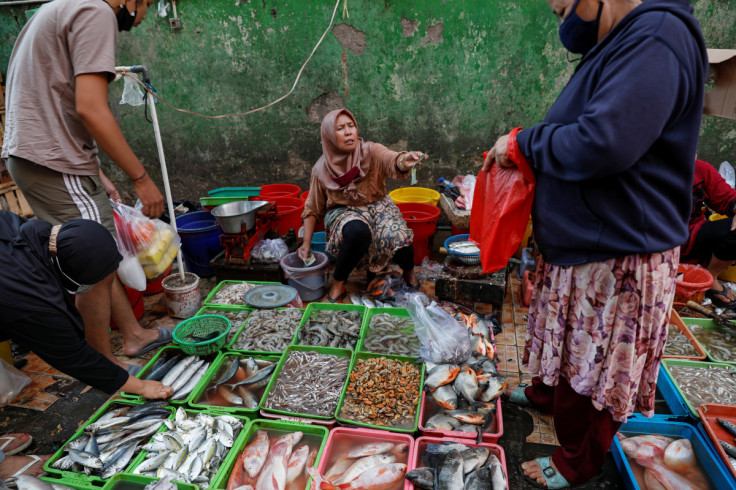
<point>339,298</point>
<point>712,295</point>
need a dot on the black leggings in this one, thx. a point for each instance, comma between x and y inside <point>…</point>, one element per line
<point>715,238</point>
<point>356,240</point>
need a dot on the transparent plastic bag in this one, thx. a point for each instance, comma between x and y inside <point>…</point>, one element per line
<point>468,186</point>
<point>269,251</point>
<point>728,174</point>
<point>444,340</point>
<point>12,382</point>
<point>385,287</point>
<point>132,93</point>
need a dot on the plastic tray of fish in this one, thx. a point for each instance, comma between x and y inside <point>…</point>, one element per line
<point>109,441</point>
<point>702,382</point>
<point>292,446</point>
<point>235,384</point>
<point>383,392</point>
<point>267,331</point>
<point>326,325</point>
<point>350,451</point>
<point>308,384</point>
<point>174,368</point>
<point>231,292</point>
<point>447,458</point>
<point>492,431</point>
<point>60,483</point>
<point>718,423</point>
<point>389,331</point>
<point>681,344</point>
<point>704,453</point>
<point>191,448</point>
<point>124,481</point>
<point>237,315</point>
<point>718,342</point>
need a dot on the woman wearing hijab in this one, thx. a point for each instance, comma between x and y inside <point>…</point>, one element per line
<point>348,189</point>
<point>41,266</point>
<point>614,163</point>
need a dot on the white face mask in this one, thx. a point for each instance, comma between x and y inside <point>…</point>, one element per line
<point>81,288</point>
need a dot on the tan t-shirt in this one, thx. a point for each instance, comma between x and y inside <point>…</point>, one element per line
<point>372,186</point>
<point>65,38</point>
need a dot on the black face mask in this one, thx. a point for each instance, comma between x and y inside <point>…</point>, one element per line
<point>125,18</point>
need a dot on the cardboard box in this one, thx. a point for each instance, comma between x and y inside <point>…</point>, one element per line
<point>721,99</point>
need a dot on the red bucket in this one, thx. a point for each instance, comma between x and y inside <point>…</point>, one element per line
<point>303,196</point>
<point>288,214</point>
<point>691,283</point>
<point>270,191</point>
<point>422,219</point>
<point>136,302</point>
<point>154,286</point>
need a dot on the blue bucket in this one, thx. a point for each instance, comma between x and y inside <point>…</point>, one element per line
<point>200,241</point>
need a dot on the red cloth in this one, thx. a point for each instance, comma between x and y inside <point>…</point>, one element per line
<point>585,434</point>
<point>709,189</point>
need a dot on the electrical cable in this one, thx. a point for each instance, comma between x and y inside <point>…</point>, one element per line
<point>149,88</point>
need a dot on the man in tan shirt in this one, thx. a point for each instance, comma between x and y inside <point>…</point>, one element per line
<point>57,116</point>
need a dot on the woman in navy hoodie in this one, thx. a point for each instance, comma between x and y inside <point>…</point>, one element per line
<point>613,162</point>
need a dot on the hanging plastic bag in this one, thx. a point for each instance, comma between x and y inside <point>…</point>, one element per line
<point>468,186</point>
<point>132,93</point>
<point>269,251</point>
<point>12,382</point>
<point>444,340</point>
<point>728,174</point>
<point>501,207</point>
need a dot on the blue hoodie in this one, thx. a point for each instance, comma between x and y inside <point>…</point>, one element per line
<point>615,156</point>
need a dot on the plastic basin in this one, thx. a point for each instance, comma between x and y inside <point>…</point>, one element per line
<point>279,190</point>
<point>421,218</point>
<point>200,241</point>
<point>415,194</point>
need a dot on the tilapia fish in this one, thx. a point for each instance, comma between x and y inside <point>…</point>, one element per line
<point>327,328</point>
<point>192,448</point>
<point>454,466</point>
<point>109,443</point>
<point>268,330</point>
<point>309,383</point>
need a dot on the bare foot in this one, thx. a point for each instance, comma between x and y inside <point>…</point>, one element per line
<point>13,441</point>
<point>12,464</point>
<point>144,337</point>
<point>410,278</point>
<point>534,471</point>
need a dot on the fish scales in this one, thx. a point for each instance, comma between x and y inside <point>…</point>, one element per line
<point>309,383</point>
<point>268,330</point>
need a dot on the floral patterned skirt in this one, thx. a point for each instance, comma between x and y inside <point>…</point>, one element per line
<point>603,327</point>
<point>387,226</point>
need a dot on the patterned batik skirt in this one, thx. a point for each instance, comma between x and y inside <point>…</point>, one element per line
<point>387,225</point>
<point>603,326</point>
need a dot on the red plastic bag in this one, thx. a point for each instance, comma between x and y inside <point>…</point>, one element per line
<point>501,208</point>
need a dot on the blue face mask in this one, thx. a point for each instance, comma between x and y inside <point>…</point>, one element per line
<point>578,35</point>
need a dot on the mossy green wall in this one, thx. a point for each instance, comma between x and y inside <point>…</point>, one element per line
<point>443,76</point>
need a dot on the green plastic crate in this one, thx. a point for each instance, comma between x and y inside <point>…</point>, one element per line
<point>168,350</point>
<point>76,484</point>
<point>211,374</point>
<point>271,425</point>
<point>366,329</point>
<point>223,284</point>
<point>328,306</point>
<point>235,191</point>
<point>132,482</point>
<point>301,348</point>
<point>81,477</point>
<point>368,355</point>
<point>708,324</point>
<point>240,332</point>
<point>666,363</point>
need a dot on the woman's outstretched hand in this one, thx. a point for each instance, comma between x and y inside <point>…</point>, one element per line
<point>499,154</point>
<point>414,159</point>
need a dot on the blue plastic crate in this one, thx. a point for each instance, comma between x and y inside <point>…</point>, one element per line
<point>672,396</point>
<point>710,462</point>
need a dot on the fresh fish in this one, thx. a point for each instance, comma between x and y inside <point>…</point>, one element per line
<point>331,328</point>
<point>186,375</point>
<point>367,302</point>
<point>445,396</point>
<point>364,464</point>
<point>254,455</point>
<point>441,422</point>
<point>474,458</point>
<point>481,479</point>
<point>450,471</point>
<point>85,459</point>
<point>730,428</point>
<point>376,478</point>
<point>163,484</point>
<point>498,477</point>
<point>273,475</point>
<point>441,375</point>
<point>422,478</point>
<point>339,468</point>
<point>400,450</point>
<point>355,299</point>
<point>467,416</point>
<point>184,391</point>
<point>370,449</point>
<point>152,463</point>
<point>177,370</point>
<point>466,384</point>
<point>259,376</point>
<point>158,372</point>
<point>730,450</point>
<point>496,386</point>
<point>229,396</point>
<point>268,330</point>
<point>679,456</point>
<point>250,365</point>
<point>666,477</point>
<point>391,334</point>
<point>227,370</point>
<point>91,447</point>
<point>297,462</point>
<point>120,461</point>
<point>464,247</point>
<point>249,399</point>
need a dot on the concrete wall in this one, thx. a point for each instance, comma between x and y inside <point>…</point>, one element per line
<point>444,76</point>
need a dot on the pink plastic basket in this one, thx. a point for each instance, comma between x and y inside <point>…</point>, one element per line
<point>337,436</point>
<point>326,423</point>
<point>492,434</point>
<point>420,446</point>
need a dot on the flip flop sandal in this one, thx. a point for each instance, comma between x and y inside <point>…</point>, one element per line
<point>34,460</point>
<point>713,294</point>
<point>8,439</point>
<point>339,298</point>
<point>552,479</point>
<point>518,397</point>
<point>165,336</point>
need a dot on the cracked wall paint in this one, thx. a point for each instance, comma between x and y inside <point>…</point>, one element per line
<point>447,77</point>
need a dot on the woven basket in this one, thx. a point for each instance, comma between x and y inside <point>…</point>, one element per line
<point>202,326</point>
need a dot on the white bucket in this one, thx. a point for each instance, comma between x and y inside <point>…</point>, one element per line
<point>182,301</point>
<point>308,281</point>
